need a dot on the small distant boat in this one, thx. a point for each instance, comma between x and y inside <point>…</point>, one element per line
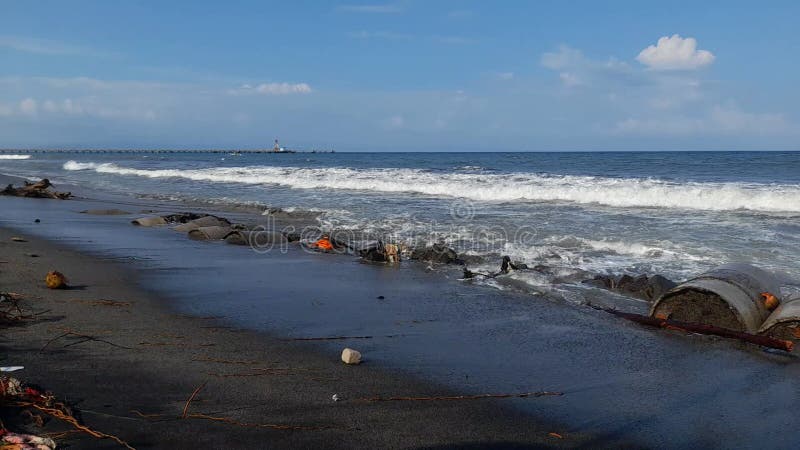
<point>278,149</point>
<point>235,153</point>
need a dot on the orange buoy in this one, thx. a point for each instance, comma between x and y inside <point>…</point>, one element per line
<point>770,301</point>
<point>324,244</point>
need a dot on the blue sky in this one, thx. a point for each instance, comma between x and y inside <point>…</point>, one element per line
<point>406,75</point>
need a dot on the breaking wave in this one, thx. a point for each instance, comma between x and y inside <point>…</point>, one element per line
<point>614,192</point>
<point>15,156</point>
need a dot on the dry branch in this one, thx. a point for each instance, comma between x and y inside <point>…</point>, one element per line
<point>191,397</point>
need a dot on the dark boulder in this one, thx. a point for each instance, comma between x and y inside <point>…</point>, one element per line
<point>182,217</point>
<point>641,286</point>
<point>438,253</point>
<point>292,236</point>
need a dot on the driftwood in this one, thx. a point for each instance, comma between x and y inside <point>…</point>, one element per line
<point>70,419</point>
<point>39,189</point>
<point>701,328</point>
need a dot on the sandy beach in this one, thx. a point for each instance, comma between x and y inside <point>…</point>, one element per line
<point>144,359</point>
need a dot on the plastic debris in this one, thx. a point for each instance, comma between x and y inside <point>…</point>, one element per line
<point>350,356</point>
<point>18,441</point>
<point>335,397</point>
<point>11,368</point>
<point>18,239</point>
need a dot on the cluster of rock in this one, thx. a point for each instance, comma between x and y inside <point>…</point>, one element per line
<point>39,189</point>
<point>210,227</point>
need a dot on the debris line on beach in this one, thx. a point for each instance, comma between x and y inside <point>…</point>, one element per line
<point>461,397</point>
<point>700,328</point>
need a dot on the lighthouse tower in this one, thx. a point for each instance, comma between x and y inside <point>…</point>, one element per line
<point>277,147</point>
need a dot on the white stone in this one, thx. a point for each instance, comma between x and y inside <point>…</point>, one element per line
<point>350,356</point>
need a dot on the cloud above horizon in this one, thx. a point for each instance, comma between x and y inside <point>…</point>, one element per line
<point>675,53</point>
<point>717,120</point>
<point>373,8</point>
<point>47,47</point>
<point>273,89</point>
<point>664,98</point>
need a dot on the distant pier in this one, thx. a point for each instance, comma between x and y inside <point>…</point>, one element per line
<point>160,151</point>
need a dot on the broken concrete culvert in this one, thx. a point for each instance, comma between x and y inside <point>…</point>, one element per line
<point>784,322</point>
<point>728,296</point>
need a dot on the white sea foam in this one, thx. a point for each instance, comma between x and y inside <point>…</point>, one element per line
<point>614,192</point>
<point>15,156</point>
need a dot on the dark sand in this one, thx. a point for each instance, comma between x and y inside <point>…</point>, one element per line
<point>168,355</point>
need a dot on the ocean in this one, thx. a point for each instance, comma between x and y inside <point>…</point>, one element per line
<point>581,214</point>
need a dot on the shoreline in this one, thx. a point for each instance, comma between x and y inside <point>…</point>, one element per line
<point>267,379</point>
<point>432,335</point>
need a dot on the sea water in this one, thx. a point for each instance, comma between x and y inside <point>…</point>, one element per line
<point>672,213</point>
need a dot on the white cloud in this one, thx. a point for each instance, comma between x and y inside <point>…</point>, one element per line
<point>564,58</point>
<point>273,89</point>
<point>574,69</point>
<point>719,120</point>
<point>283,88</point>
<point>394,122</point>
<point>46,47</point>
<point>375,9</point>
<point>28,106</point>
<point>675,53</point>
<point>69,107</point>
<point>454,40</point>
<point>731,119</point>
<point>378,35</point>
<point>569,79</point>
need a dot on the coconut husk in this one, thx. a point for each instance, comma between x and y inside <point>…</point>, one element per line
<point>55,280</point>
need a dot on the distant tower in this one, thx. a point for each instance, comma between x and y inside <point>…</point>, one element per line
<point>277,147</point>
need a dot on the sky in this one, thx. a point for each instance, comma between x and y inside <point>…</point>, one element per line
<point>401,76</point>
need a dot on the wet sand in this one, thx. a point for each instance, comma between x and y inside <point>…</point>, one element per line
<point>151,358</point>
